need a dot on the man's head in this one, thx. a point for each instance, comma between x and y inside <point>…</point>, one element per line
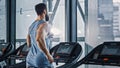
<point>41,9</point>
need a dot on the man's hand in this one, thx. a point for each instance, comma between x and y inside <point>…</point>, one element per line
<point>50,58</point>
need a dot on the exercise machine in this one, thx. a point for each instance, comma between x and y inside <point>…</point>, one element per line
<point>67,53</point>
<point>8,50</point>
<point>107,53</point>
<point>17,54</point>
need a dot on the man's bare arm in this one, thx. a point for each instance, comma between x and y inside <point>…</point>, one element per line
<point>40,38</point>
<point>28,40</point>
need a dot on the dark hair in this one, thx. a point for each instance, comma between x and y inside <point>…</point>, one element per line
<point>39,8</point>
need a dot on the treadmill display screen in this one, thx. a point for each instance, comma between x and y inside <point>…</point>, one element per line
<point>65,49</point>
<point>110,50</point>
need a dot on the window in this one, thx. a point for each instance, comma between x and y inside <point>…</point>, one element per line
<point>80,20</point>
<point>81,27</point>
<point>2,21</point>
<point>101,16</point>
<point>58,27</point>
<point>116,8</point>
<point>25,15</point>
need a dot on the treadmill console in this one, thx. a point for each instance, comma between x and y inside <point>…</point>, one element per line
<point>110,52</point>
<point>66,52</point>
<point>112,49</point>
<point>65,49</point>
<point>107,53</point>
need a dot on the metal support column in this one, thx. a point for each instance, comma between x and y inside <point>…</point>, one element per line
<point>71,20</point>
<point>86,27</point>
<point>86,23</point>
<point>67,21</point>
<point>50,5</point>
<point>11,22</point>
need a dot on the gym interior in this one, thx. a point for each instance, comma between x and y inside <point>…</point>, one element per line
<point>85,33</point>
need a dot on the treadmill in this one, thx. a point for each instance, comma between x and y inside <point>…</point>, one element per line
<point>107,53</point>
<point>67,53</point>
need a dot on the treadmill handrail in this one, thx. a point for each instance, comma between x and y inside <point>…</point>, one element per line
<point>83,60</point>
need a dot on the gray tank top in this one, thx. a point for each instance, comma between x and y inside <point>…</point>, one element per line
<point>36,57</point>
